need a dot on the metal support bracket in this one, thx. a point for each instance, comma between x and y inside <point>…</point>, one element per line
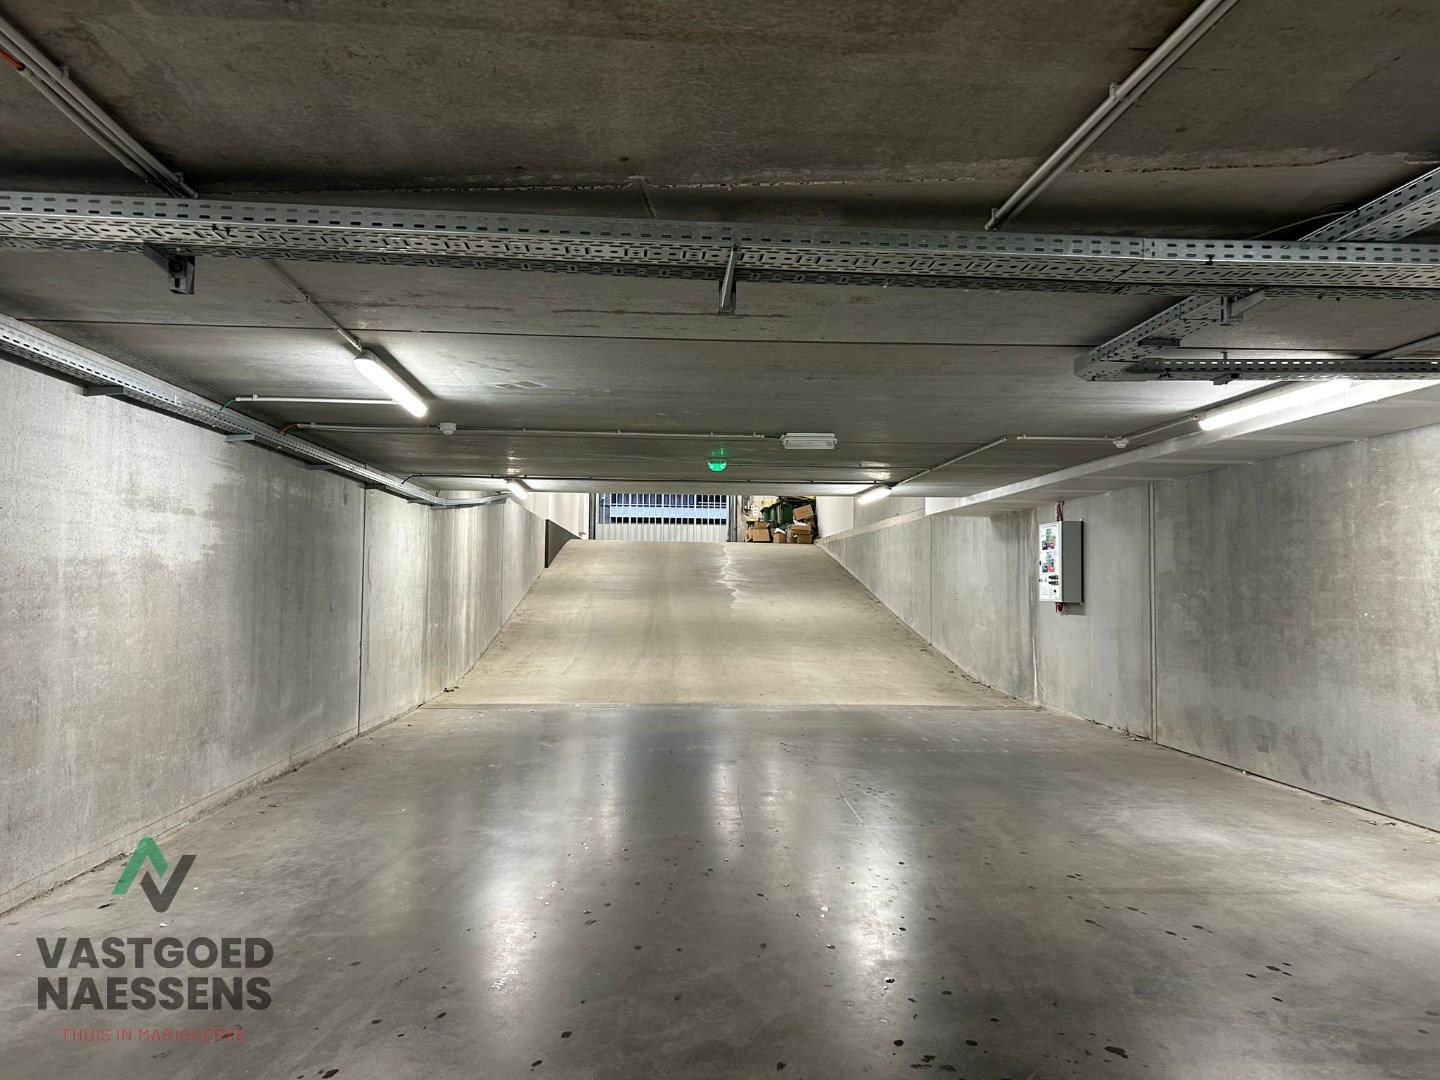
<point>1233,308</point>
<point>727,282</point>
<point>240,436</point>
<point>1413,207</point>
<point>104,391</point>
<point>179,268</point>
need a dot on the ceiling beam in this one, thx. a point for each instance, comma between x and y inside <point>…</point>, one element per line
<point>1134,355</point>
<point>755,252</point>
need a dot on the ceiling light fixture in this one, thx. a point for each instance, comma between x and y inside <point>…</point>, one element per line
<point>809,440</point>
<point>516,488</point>
<point>369,365</point>
<point>874,494</point>
<point>1272,403</point>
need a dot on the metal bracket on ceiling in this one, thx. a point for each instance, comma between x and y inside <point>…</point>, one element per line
<point>727,282</point>
<point>179,268</point>
<point>240,436</point>
<point>1300,369</point>
<point>104,391</point>
<point>1233,308</point>
<point>1413,207</point>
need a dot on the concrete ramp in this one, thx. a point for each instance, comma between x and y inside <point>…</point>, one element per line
<point>654,623</point>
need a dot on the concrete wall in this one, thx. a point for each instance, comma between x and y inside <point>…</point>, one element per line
<point>394,600</point>
<point>893,507</point>
<point>958,582</point>
<point>834,514</point>
<point>893,562</point>
<point>1093,659</point>
<point>183,618</point>
<point>982,608</point>
<point>1282,618</point>
<point>1298,620</point>
<point>569,510</point>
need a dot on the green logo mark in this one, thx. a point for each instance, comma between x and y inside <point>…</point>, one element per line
<point>149,851</point>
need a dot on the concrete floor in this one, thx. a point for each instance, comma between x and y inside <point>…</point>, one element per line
<point>707,892</point>
<point>612,892</point>
<point>650,623</point>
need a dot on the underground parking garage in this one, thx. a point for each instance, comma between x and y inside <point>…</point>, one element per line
<point>819,540</point>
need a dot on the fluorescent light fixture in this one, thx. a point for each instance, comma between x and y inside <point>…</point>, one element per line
<point>874,494</point>
<point>809,440</point>
<point>369,366</point>
<point>1273,403</point>
<point>516,488</point>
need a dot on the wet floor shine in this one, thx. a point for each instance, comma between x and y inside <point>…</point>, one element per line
<point>819,893</point>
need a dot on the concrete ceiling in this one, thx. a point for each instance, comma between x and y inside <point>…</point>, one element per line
<point>925,114</point>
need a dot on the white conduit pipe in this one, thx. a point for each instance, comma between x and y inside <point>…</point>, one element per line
<point>1001,441</point>
<point>55,83</point>
<point>1121,97</point>
<point>718,436</point>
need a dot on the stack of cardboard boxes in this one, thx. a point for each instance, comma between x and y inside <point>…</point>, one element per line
<point>800,530</point>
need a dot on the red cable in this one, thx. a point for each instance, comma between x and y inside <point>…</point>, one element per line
<point>16,64</point>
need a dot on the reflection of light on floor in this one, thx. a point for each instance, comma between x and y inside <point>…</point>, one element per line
<point>723,789</point>
<point>561,769</point>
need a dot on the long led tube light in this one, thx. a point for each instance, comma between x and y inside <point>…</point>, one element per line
<point>367,364</point>
<point>1263,406</point>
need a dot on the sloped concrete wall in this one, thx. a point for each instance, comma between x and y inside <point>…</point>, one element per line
<point>1282,618</point>
<point>958,582</point>
<point>982,614</point>
<point>482,561</point>
<point>182,618</point>
<point>893,562</point>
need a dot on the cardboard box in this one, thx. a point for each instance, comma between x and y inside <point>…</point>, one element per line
<point>759,533</point>
<point>801,533</point>
<point>781,536</point>
<point>805,513</point>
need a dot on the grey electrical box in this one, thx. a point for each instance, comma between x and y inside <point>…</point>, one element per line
<point>1060,572</point>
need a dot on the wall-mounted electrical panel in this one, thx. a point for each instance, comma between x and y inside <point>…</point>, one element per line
<point>1060,574</point>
